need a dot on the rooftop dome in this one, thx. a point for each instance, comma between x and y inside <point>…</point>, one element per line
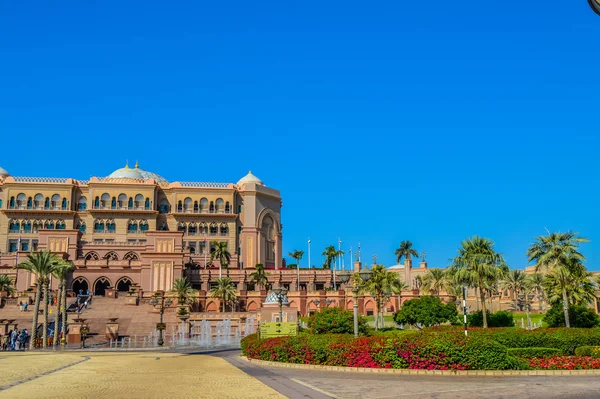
<point>136,173</point>
<point>250,178</point>
<point>395,267</point>
<point>272,300</point>
<point>3,172</point>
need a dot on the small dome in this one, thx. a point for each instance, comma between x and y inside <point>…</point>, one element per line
<point>395,267</point>
<point>3,172</point>
<point>250,178</point>
<point>273,300</point>
<point>126,173</point>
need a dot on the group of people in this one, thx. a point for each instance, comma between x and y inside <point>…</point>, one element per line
<point>23,306</point>
<point>14,340</point>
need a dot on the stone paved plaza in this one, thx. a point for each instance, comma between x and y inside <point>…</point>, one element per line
<point>125,375</point>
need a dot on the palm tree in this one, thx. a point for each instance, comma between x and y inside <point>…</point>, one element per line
<point>402,286</point>
<point>183,289</point>
<point>477,265</point>
<point>578,283</point>
<point>559,253</point>
<point>434,281</point>
<point>6,284</point>
<point>41,264</point>
<point>259,276</point>
<point>536,282</point>
<point>405,251</point>
<point>381,286</point>
<point>297,254</point>
<point>63,268</point>
<point>330,254</point>
<point>222,254</point>
<point>224,290</point>
<point>514,281</point>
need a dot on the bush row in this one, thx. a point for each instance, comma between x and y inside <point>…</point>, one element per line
<point>593,351</point>
<point>530,353</point>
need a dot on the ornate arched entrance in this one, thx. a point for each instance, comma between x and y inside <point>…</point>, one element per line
<point>124,284</point>
<point>101,285</point>
<point>80,284</point>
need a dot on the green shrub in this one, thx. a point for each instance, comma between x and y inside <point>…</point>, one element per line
<point>579,316</point>
<point>528,353</point>
<point>593,351</point>
<point>335,321</point>
<point>501,318</point>
<point>427,310</point>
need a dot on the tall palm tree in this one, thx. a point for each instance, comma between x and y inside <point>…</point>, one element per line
<point>579,285</point>
<point>435,281</point>
<point>405,250</point>
<point>381,286</point>
<point>559,253</point>
<point>63,268</point>
<point>536,282</point>
<point>477,265</point>
<point>222,254</point>
<point>297,254</point>
<point>224,290</point>
<point>514,281</point>
<point>183,290</point>
<point>330,254</point>
<point>260,276</point>
<point>42,265</point>
<point>6,284</point>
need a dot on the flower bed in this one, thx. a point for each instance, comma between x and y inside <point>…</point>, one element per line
<point>565,363</point>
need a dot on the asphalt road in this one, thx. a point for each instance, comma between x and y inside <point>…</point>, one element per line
<point>316,384</point>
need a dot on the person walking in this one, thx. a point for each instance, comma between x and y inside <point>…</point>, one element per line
<point>6,341</point>
<point>26,305</point>
<point>13,339</point>
<point>20,306</point>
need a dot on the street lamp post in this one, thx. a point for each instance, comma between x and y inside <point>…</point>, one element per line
<point>159,299</point>
<point>345,276</point>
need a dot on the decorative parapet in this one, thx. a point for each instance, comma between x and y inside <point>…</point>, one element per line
<point>82,182</point>
<point>121,180</point>
<point>24,179</point>
<point>201,184</point>
<point>113,243</point>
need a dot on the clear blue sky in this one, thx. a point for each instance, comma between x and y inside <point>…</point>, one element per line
<point>379,121</point>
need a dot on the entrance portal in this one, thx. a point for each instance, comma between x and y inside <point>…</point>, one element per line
<point>124,284</point>
<point>101,285</point>
<point>80,284</point>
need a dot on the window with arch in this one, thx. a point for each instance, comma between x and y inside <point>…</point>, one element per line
<point>97,202</point>
<point>122,201</point>
<point>268,228</point>
<point>227,207</point>
<point>55,201</point>
<point>64,204</point>
<point>60,225</point>
<point>224,229</point>
<point>203,205</point>
<point>113,203</point>
<point>132,227</point>
<point>14,226</point>
<point>163,206</point>
<point>26,225</point>
<point>92,256</point>
<point>192,229</point>
<point>82,204</point>
<point>98,226</point>
<point>105,200</point>
<point>203,228</point>
<point>111,227</point>
<point>139,201</point>
<point>130,203</point>
<point>38,201</point>
<point>163,226</point>
<point>181,227</point>
<point>144,226</point>
<point>29,203</point>
<point>21,199</point>
<point>11,203</point>
<point>213,229</point>
<point>196,207</point>
<point>111,256</point>
<point>220,205</point>
<point>131,256</point>
<point>179,207</point>
<point>81,226</point>
<point>37,224</point>
<point>187,204</point>
<point>49,225</point>
<point>47,203</point>
<point>147,204</point>
<point>211,207</point>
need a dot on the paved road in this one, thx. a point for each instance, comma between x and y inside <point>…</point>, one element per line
<point>347,385</point>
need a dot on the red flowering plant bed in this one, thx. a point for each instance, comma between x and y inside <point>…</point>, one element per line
<point>565,363</point>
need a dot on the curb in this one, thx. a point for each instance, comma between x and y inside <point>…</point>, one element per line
<point>457,373</point>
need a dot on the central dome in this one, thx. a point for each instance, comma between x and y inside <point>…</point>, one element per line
<point>250,178</point>
<point>136,173</point>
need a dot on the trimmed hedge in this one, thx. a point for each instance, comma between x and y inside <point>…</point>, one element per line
<point>593,351</point>
<point>529,353</point>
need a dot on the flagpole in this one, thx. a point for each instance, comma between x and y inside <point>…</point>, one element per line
<point>309,253</point>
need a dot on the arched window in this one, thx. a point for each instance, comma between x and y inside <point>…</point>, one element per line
<point>224,229</point>
<point>132,227</point>
<point>144,226</point>
<point>49,225</point>
<point>60,225</point>
<point>113,203</point>
<point>213,229</point>
<point>147,204</point>
<point>37,224</point>
<point>187,204</point>
<point>82,204</point>
<point>131,256</point>
<point>38,201</point>
<point>81,226</point>
<point>14,226</point>
<point>64,204</point>
<point>203,229</point>
<point>203,205</point>
<point>55,201</point>
<point>97,202</point>
<point>122,201</point>
<point>111,256</point>
<point>11,203</point>
<point>29,203</point>
<point>110,226</point>
<point>163,207</point>
<point>179,207</point>
<point>195,206</point>
<point>98,226</point>
<point>21,199</point>
<point>181,227</point>
<point>139,201</point>
<point>130,203</point>
<point>227,207</point>
<point>163,226</point>
<point>105,200</point>
<point>220,205</point>
<point>92,256</point>
<point>192,229</point>
<point>211,207</point>
<point>47,203</point>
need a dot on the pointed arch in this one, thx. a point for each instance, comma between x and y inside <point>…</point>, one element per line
<point>131,256</point>
<point>92,256</point>
<point>112,255</point>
